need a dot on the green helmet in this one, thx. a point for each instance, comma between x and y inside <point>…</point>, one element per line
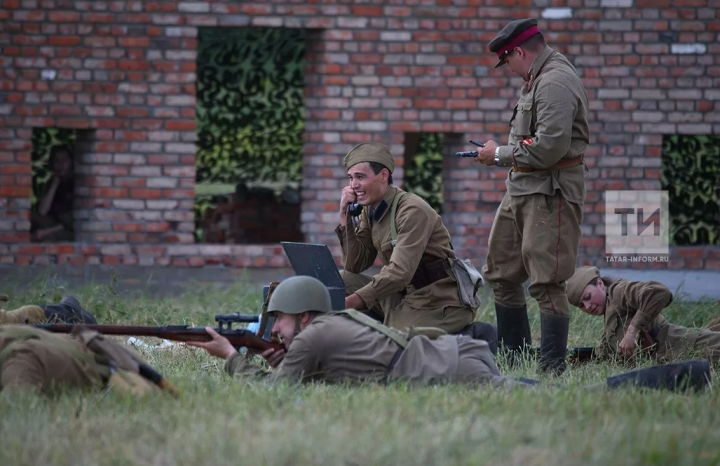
<point>299,294</point>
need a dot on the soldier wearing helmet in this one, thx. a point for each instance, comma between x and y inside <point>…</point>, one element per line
<point>350,346</point>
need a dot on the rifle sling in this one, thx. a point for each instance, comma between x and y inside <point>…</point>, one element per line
<point>374,324</point>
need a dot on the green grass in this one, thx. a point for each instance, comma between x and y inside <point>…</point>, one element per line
<point>219,421</point>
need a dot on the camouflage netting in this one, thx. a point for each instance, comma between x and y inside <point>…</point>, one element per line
<point>423,175</point>
<point>249,110</point>
<point>691,175</point>
<point>43,140</point>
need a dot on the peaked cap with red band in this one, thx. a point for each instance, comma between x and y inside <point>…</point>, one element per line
<point>511,36</point>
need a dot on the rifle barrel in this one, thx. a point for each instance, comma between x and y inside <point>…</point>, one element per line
<point>238,337</point>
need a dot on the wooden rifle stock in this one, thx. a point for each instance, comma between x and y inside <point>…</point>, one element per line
<point>239,338</point>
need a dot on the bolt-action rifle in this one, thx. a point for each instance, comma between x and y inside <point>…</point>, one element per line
<point>239,338</point>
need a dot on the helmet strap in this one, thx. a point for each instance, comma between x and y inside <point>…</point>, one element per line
<point>297,324</point>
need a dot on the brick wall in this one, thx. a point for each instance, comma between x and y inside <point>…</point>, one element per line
<point>124,71</point>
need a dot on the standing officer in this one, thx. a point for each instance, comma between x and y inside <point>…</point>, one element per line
<point>536,231</point>
<point>415,287</point>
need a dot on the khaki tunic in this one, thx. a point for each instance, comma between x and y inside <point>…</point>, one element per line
<point>32,358</point>
<point>640,304</point>
<point>536,231</point>
<point>422,238</point>
<point>338,349</point>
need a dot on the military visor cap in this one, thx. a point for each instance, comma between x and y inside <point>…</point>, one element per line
<point>511,36</point>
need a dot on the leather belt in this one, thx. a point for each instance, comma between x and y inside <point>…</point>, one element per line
<point>564,163</point>
<point>427,274</point>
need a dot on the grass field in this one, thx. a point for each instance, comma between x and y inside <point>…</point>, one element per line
<point>218,421</point>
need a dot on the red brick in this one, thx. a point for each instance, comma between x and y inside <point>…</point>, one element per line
<point>145,193</point>
<point>157,227</point>
<point>60,249</point>
<point>196,261</point>
<point>111,260</point>
<point>13,169</point>
<point>364,10</point>
<point>32,249</point>
<point>181,125</point>
<point>63,17</point>
<point>133,65</point>
<point>116,237</point>
<point>134,42</point>
<point>132,112</point>
<point>15,191</point>
<point>128,227</point>
<point>109,192</point>
<point>256,9</point>
<point>179,262</point>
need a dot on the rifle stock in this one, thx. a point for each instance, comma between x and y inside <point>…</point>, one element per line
<point>239,338</point>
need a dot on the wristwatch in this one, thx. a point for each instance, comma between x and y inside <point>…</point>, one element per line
<point>497,156</point>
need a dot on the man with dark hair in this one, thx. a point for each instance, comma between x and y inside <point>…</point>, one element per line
<point>416,286</point>
<point>536,231</point>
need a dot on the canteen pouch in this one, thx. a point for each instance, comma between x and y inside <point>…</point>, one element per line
<point>469,281</point>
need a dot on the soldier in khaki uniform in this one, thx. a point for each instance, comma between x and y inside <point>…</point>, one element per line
<point>68,310</point>
<point>415,286</point>
<point>349,346</point>
<point>34,359</point>
<point>536,231</point>
<point>633,320</point>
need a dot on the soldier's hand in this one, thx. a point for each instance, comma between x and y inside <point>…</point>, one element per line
<point>486,155</point>
<point>219,346</point>
<point>347,196</point>
<point>354,301</point>
<point>273,357</point>
<point>627,347</point>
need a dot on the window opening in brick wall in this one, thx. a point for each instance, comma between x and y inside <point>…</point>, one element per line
<point>423,167</point>
<point>691,175</point>
<point>250,135</point>
<point>53,181</point>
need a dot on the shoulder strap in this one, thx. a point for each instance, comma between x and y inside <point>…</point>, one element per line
<point>393,228</point>
<point>374,324</point>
